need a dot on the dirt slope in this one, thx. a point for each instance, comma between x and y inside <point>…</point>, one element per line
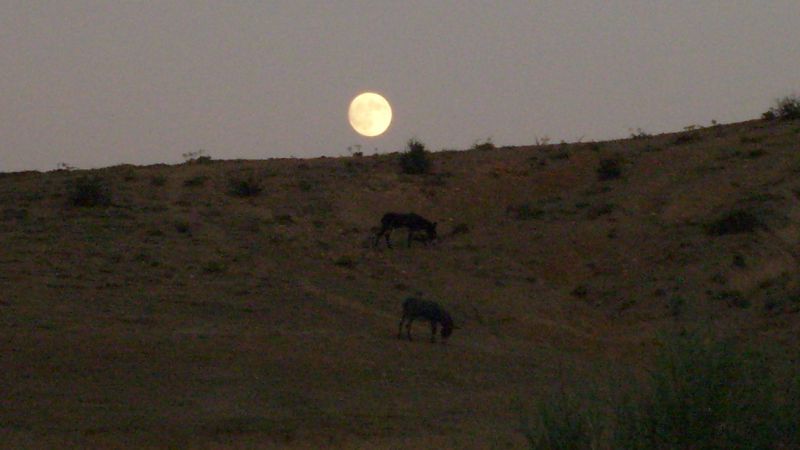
<point>182,315</point>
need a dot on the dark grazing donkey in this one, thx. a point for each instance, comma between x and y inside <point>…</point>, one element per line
<point>413,222</point>
<point>414,308</point>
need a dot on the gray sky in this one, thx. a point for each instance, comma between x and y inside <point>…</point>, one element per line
<point>94,83</point>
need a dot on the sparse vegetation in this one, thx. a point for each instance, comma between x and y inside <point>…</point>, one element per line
<point>89,191</point>
<point>415,159</point>
<point>786,108</point>
<point>734,222</point>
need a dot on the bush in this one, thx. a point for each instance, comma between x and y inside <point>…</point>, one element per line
<point>90,191</point>
<point>734,222</point>
<point>245,187</point>
<point>564,423</point>
<point>198,180</point>
<point>609,169</point>
<point>702,394</point>
<point>461,228</point>
<point>415,160</point>
<point>158,180</point>
<point>525,211</point>
<point>484,145</point>
<point>786,108</point>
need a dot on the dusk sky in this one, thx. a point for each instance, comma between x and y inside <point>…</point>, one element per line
<point>98,83</point>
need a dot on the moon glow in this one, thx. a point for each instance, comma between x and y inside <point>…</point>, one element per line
<point>370,114</point>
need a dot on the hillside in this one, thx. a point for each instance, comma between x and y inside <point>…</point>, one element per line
<point>180,314</point>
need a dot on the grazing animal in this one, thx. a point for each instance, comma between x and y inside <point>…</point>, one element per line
<point>414,308</point>
<point>413,222</point>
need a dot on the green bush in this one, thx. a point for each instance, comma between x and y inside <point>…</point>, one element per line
<point>609,169</point>
<point>734,222</point>
<point>195,181</point>
<point>89,191</point>
<point>484,145</point>
<point>158,180</point>
<point>415,159</point>
<point>786,108</point>
<point>564,422</point>
<point>245,187</point>
<point>701,394</point>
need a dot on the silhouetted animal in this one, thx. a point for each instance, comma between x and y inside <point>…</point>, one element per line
<point>414,308</point>
<point>413,222</point>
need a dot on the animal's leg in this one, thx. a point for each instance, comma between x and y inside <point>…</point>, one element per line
<point>388,242</point>
<point>384,229</point>
<point>410,235</point>
<point>408,328</point>
<point>433,331</point>
<point>400,327</point>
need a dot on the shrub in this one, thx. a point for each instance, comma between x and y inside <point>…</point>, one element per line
<point>600,210</point>
<point>198,157</point>
<point>524,211</point>
<point>702,394</point>
<point>786,108</point>
<point>485,145</point>
<point>245,187</point>
<point>345,261</point>
<point>734,222</point>
<point>158,180</point>
<point>415,160</point>
<point>609,169</point>
<point>732,298</point>
<point>676,305</point>
<point>687,138</point>
<point>89,191</point>
<point>182,227</point>
<point>198,180</point>
<point>563,423</point>
<point>214,267</point>
<point>461,228</point>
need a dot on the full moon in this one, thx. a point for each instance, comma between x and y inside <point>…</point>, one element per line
<point>370,114</point>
